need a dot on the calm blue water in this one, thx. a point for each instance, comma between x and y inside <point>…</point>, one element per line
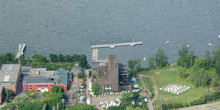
<point>71,26</point>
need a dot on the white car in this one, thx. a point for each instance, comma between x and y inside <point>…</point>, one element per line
<point>145,100</point>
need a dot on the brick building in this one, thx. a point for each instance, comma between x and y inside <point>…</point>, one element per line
<point>9,78</point>
<point>37,83</point>
<point>108,75</point>
<point>44,82</point>
<point>1,93</point>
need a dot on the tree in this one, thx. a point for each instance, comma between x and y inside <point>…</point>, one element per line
<point>201,62</point>
<point>83,61</point>
<point>57,89</point>
<point>217,70</point>
<point>161,58</point>
<point>135,96</point>
<point>38,57</point>
<point>28,60</point>
<point>164,107</point>
<point>95,88</point>
<point>10,57</point>
<point>208,59</point>
<point>60,58</point>
<point>21,58</point>
<point>151,62</point>
<point>216,57</point>
<point>76,57</point>
<point>44,60</point>
<point>126,99</point>
<point>68,58</point>
<point>3,59</point>
<point>132,63</point>
<point>53,57</point>
<point>81,75</point>
<point>186,58</point>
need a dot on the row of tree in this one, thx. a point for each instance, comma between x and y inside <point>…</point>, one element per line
<point>187,58</point>
<point>7,58</point>
<point>54,58</point>
<point>204,99</point>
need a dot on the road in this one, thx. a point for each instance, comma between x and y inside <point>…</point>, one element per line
<point>144,92</point>
<point>210,106</point>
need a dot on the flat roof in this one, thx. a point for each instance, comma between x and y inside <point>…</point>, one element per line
<point>9,74</point>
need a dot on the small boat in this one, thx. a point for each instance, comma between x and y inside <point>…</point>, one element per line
<point>187,45</point>
<point>219,36</point>
<point>209,44</point>
<point>144,59</point>
<point>167,42</point>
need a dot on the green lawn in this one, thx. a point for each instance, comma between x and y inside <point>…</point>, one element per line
<point>168,75</point>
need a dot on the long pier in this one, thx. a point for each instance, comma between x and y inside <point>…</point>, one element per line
<point>117,45</point>
<point>95,49</point>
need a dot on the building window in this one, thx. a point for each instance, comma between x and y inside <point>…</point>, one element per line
<point>44,85</point>
<point>37,85</point>
<point>30,86</point>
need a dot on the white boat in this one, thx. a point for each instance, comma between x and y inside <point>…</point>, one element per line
<point>187,45</point>
<point>144,59</point>
<point>219,36</point>
<point>209,44</point>
<point>167,42</point>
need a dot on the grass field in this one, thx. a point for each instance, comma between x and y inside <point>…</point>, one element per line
<point>168,75</point>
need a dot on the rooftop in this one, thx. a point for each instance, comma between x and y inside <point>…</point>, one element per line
<point>61,76</point>
<point>9,74</point>
<point>37,80</point>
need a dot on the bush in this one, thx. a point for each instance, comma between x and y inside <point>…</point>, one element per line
<point>81,75</point>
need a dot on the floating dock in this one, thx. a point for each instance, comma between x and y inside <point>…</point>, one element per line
<point>21,49</point>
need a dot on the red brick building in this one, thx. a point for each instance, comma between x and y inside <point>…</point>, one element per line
<point>38,83</point>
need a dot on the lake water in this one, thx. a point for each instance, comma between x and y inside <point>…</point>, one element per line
<point>71,26</point>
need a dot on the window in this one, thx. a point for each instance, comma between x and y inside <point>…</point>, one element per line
<point>30,86</point>
<point>37,85</point>
<point>44,85</point>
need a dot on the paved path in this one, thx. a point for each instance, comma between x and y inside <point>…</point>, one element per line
<point>210,106</point>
